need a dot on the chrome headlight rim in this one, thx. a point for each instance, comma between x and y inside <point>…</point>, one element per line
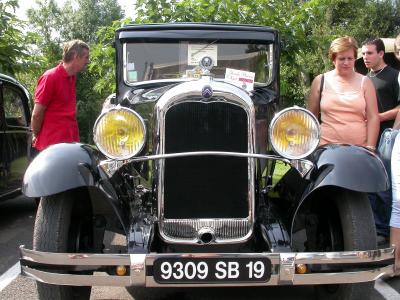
<point>142,123</point>
<point>279,115</point>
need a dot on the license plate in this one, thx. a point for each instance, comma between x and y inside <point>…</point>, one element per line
<point>211,270</point>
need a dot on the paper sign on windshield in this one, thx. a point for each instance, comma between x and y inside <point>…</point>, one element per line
<point>243,79</point>
<point>197,51</point>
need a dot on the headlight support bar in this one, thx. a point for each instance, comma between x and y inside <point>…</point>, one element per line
<point>303,166</point>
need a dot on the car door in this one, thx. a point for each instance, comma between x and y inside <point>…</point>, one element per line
<point>15,145</point>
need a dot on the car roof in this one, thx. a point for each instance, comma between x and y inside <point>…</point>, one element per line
<point>198,31</point>
<point>194,25</point>
<point>8,78</point>
<point>12,80</point>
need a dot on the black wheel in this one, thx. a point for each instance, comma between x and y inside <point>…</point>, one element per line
<point>63,224</point>
<point>353,229</point>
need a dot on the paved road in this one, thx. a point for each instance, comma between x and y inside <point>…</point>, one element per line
<point>16,223</point>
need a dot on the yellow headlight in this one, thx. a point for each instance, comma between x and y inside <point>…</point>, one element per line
<point>119,133</point>
<point>294,133</point>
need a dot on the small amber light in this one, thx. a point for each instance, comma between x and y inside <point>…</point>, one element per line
<point>120,270</point>
<point>301,269</point>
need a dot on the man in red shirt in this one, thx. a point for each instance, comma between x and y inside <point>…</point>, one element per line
<point>54,114</point>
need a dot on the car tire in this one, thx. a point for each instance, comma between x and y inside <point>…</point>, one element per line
<point>54,232</point>
<point>358,232</point>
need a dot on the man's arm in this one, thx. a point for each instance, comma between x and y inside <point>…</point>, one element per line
<point>389,115</point>
<point>395,241</point>
<point>397,122</point>
<point>37,119</point>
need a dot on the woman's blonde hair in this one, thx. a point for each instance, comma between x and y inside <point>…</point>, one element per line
<point>342,44</point>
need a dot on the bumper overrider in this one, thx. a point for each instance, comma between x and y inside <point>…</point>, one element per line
<point>207,269</point>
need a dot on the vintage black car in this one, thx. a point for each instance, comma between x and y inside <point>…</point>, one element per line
<point>185,167</point>
<point>15,137</point>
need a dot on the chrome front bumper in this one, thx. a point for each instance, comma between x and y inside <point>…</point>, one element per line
<point>370,265</point>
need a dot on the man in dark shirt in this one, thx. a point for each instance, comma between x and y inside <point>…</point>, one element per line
<point>386,82</point>
<point>385,79</point>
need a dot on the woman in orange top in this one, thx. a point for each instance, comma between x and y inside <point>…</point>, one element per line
<point>347,103</point>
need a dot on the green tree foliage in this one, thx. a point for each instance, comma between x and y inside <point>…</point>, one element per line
<point>306,28</point>
<point>12,39</point>
<point>44,40</point>
<point>84,21</point>
<point>52,26</point>
<point>358,18</point>
<point>103,57</point>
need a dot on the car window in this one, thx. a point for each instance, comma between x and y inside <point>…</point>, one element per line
<point>13,107</point>
<point>179,60</point>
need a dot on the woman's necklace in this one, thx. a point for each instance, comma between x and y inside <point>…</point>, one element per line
<point>374,74</point>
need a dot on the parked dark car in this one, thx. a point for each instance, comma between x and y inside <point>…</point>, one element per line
<point>185,168</point>
<point>14,136</point>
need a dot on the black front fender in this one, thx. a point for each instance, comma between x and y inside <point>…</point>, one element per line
<point>59,168</point>
<point>350,167</point>
<point>345,167</point>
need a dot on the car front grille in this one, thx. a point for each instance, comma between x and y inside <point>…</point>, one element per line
<point>207,191</point>
<point>224,229</point>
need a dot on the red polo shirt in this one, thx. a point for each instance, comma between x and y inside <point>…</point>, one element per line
<point>56,90</point>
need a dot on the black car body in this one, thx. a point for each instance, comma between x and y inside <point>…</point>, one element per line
<point>185,168</point>
<point>14,136</point>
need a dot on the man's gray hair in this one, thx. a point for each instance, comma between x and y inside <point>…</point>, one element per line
<point>74,47</point>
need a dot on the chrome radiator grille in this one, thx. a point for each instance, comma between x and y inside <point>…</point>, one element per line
<point>206,199</point>
<point>224,229</point>
<point>206,187</point>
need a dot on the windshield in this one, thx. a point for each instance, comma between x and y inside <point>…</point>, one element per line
<point>145,61</point>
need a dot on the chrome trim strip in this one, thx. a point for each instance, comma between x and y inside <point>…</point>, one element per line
<point>90,259</point>
<point>76,280</point>
<point>204,153</point>
<point>74,259</point>
<point>303,279</point>
<point>303,166</point>
<point>283,263</point>
<point>345,277</point>
<point>138,269</point>
<point>108,280</point>
<point>344,257</point>
<point>287,269</point>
